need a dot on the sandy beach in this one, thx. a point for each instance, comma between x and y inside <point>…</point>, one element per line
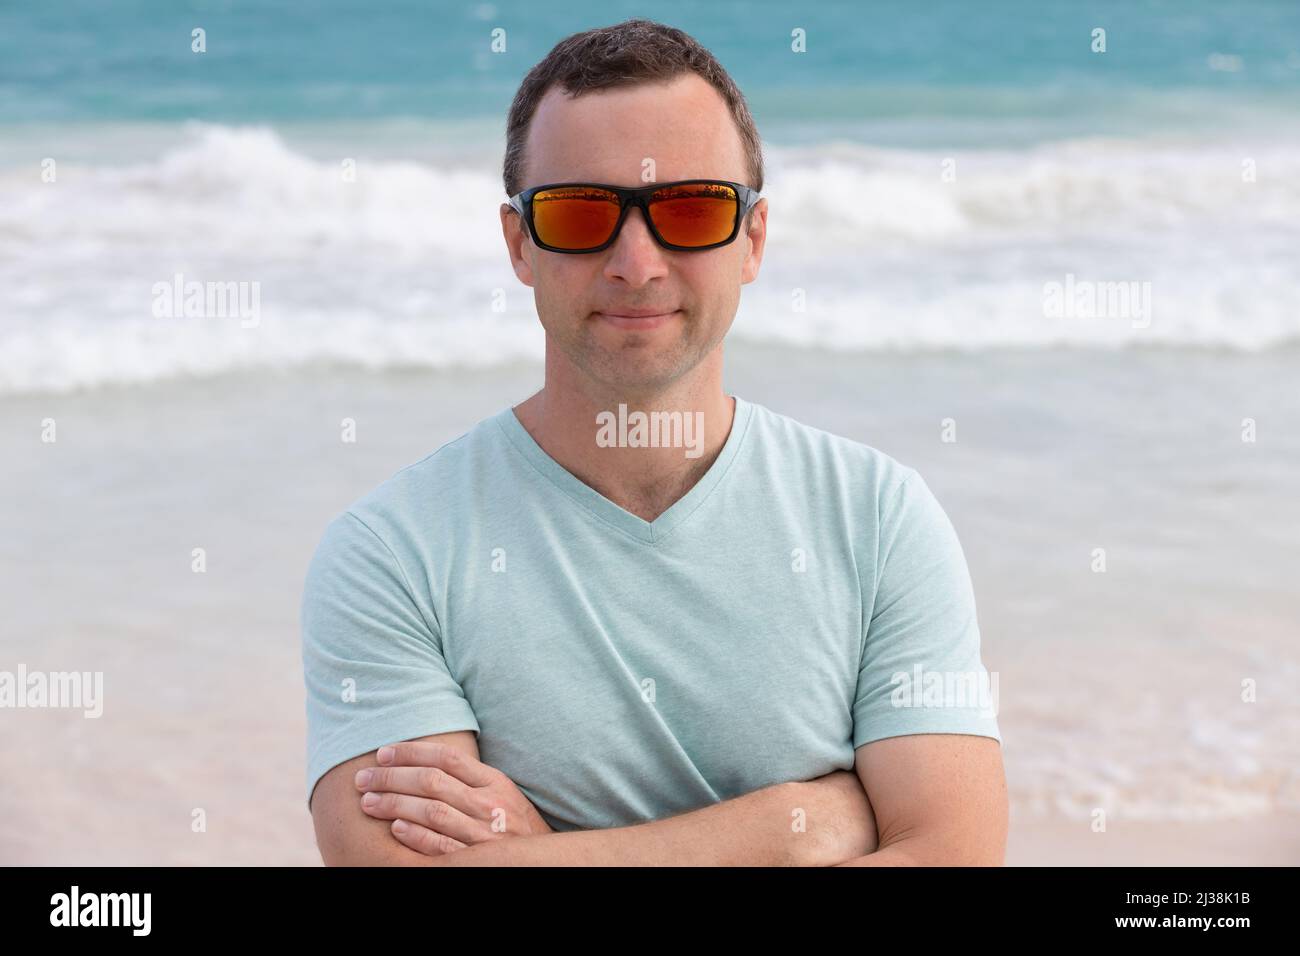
<point>1266,841</point>
<point>1119,691</point>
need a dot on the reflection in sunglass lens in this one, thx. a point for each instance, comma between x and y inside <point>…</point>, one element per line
<point>694,214</point>
<point>574,217</point>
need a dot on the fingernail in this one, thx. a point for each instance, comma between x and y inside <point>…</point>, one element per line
<point>364,777</point>
<point>399,826</point>
<point>385,754</point>
<point>370,800</point>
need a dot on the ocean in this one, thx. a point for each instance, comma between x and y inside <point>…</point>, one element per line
<point>928,175</point>
<point>1087,259</point>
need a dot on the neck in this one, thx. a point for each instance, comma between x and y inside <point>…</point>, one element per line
<point>578,422</point>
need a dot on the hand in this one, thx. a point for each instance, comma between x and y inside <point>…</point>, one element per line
<point>441,799</point>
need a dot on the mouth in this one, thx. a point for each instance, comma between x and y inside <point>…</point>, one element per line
<point>637,320</point>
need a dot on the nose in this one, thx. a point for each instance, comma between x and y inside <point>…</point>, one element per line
<point>635,257</point>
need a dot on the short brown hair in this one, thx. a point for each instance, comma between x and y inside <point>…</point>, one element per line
<point>625,54</point>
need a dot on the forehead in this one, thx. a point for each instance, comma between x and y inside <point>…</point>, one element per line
<point>606,136</point>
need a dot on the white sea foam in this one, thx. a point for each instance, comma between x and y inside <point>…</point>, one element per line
<point>405,266</point>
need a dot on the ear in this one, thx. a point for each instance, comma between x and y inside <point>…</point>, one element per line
<point>518,243</point>
<point>754,234</point>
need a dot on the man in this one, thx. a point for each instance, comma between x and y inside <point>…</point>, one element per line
<point>594,642</point>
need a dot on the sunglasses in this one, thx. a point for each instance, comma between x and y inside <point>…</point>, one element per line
<point>686,215</point>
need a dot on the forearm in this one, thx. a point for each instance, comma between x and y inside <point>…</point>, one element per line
<point>920,850</point>
<point>751,830</point>
<point>886,856</point>
<point>744,831</point>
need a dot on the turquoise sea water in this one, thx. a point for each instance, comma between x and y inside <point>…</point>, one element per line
<point>1172,159</point>
<point>71,60</point>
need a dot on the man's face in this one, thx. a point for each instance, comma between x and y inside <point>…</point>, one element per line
<point>685,128</point>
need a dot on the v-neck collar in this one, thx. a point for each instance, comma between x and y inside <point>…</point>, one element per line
<point>593,501</point>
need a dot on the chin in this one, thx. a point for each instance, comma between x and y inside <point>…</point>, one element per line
<point>641,375</point>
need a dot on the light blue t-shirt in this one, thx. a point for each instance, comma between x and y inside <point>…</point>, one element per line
<point>794,605</point>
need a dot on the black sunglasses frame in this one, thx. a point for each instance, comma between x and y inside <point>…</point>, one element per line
<point>522,203</point>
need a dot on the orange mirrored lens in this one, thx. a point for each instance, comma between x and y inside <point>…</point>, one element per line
<point>574,217</point>
<point>695,214</point>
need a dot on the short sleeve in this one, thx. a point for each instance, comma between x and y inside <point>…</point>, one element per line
<point>921,671</point>
<point>372,662</point>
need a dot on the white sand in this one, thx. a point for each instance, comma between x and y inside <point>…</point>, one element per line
<point>1119,690</point>
<point>1262,841</point>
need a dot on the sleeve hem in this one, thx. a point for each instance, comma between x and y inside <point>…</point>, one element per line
<point>934,723</point>
<point>361,738</point>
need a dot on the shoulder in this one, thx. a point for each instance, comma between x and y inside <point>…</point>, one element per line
<point>426,494</point>
<point>828,463</point>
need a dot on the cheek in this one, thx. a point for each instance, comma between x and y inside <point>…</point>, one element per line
<point>712,287</point>
<point>580,284</point>
<point>562,289</point>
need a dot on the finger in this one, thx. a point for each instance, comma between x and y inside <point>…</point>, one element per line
<point>433,814</point>
<point>432,782</point>
<point>427,753</point>
<point>423,840</point>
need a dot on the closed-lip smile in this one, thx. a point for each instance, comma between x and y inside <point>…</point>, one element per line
<point>636,313</point>
<point>636,318</point>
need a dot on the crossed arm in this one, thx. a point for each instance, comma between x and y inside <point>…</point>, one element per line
<point>936,799</point>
